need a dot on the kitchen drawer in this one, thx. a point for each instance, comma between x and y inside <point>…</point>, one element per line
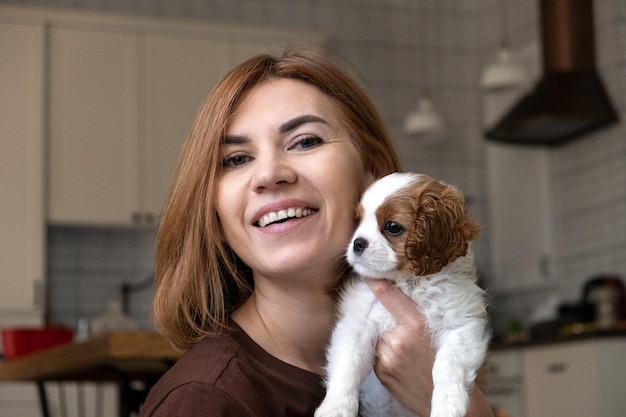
<point>504,364</point>
<point>18,399</point>
<point>505,389</point>
<point>65,399</point>
<point>579,379</point>
<point>559,381</point>
<point>562,362</point>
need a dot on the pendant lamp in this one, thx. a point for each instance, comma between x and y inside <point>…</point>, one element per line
<point>505,72</point>
<point>424,122</point>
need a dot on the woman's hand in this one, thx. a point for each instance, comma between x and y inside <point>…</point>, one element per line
<point>406,355</point>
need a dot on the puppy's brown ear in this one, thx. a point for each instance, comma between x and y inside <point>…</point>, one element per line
<point>442,229</point>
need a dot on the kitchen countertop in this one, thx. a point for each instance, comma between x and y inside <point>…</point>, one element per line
<point>568,334</point>
<point>133,354</point>
<point>121,357</point>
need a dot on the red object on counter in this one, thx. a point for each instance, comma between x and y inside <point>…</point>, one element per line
<point>21,341</point>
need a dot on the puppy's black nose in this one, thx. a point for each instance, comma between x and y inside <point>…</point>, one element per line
<point>359,246</point>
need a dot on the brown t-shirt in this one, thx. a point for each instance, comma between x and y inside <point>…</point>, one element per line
<point>231,375</point>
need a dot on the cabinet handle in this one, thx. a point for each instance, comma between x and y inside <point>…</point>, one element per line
<point>556,368</point>
<point>150,219</point>
<point>39,294</point>
<point>136,217</point>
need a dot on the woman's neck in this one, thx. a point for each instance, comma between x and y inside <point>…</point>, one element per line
<point>292,327</point>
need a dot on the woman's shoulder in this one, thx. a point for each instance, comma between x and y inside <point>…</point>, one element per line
<point>191,399</point>
<point>191,383</point>
<point>232,374</point>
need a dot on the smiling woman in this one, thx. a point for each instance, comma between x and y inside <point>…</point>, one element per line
<point>200,279</point>
<point>252,238</point>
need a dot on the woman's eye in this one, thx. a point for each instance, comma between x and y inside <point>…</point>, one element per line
<point>307,142</point>
<point>393,228</point>
<point>234,161</point>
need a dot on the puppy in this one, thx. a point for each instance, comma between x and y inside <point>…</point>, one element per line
<point>416,232</point>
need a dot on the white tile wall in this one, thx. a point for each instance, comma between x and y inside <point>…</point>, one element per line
<point>87,266</point>
<point>401,46</point>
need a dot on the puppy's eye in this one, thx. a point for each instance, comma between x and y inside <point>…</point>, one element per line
<point>393,228</point>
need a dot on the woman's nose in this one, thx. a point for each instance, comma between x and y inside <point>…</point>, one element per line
<point>271,172</point>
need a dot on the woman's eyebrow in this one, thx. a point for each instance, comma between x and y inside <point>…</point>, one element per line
<point>235,140</point>
<point>298,121</point>
<point>283,128</point>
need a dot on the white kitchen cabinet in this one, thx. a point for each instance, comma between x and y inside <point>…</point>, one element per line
<point>94,127</point>
<point>119,109</point>
<point>519,217</point>
<point>122,98</point>
<point>22,233</point>
<point>22,239</point>
<point>120,106</point>
<point>579,379</point>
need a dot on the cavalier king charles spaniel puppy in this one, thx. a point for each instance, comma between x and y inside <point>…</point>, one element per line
<point>414,231</point>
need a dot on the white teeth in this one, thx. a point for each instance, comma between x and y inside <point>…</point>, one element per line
<point>275,216</point>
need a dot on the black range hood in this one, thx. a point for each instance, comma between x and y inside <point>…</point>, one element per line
<point>570,100</point>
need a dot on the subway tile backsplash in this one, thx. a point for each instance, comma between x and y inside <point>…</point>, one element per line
<point>87,267</point>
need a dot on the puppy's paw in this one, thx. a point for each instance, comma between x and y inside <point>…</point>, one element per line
<point>345,407</point>
<point>453,401</point>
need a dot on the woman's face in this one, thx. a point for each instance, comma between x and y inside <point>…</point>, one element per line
<point>290,181</point>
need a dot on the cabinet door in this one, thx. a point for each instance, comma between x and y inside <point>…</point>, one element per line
<point>19,399</point>
<point>561,381</point>
<point>519,206</point>
<point>21,170</point>
<point>504,388</point>
<point>179,73</point>
<point>93,127</point>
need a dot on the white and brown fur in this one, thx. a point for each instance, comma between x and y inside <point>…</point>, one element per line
<point>428,255</point>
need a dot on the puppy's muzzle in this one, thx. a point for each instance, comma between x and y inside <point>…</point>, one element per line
<point>359,245</point>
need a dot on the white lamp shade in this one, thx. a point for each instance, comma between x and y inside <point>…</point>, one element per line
<point>424,121</point>
<point>504,73</point>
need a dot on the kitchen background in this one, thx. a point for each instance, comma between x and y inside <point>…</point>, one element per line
<point>402,47</point>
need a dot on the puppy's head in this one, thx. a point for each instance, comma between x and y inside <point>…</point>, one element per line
<point>410,224</point>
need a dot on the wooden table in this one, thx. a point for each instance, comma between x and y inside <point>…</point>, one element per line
<point>121,357</point>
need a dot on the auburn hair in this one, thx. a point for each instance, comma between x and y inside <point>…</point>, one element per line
<point>199,279</point>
